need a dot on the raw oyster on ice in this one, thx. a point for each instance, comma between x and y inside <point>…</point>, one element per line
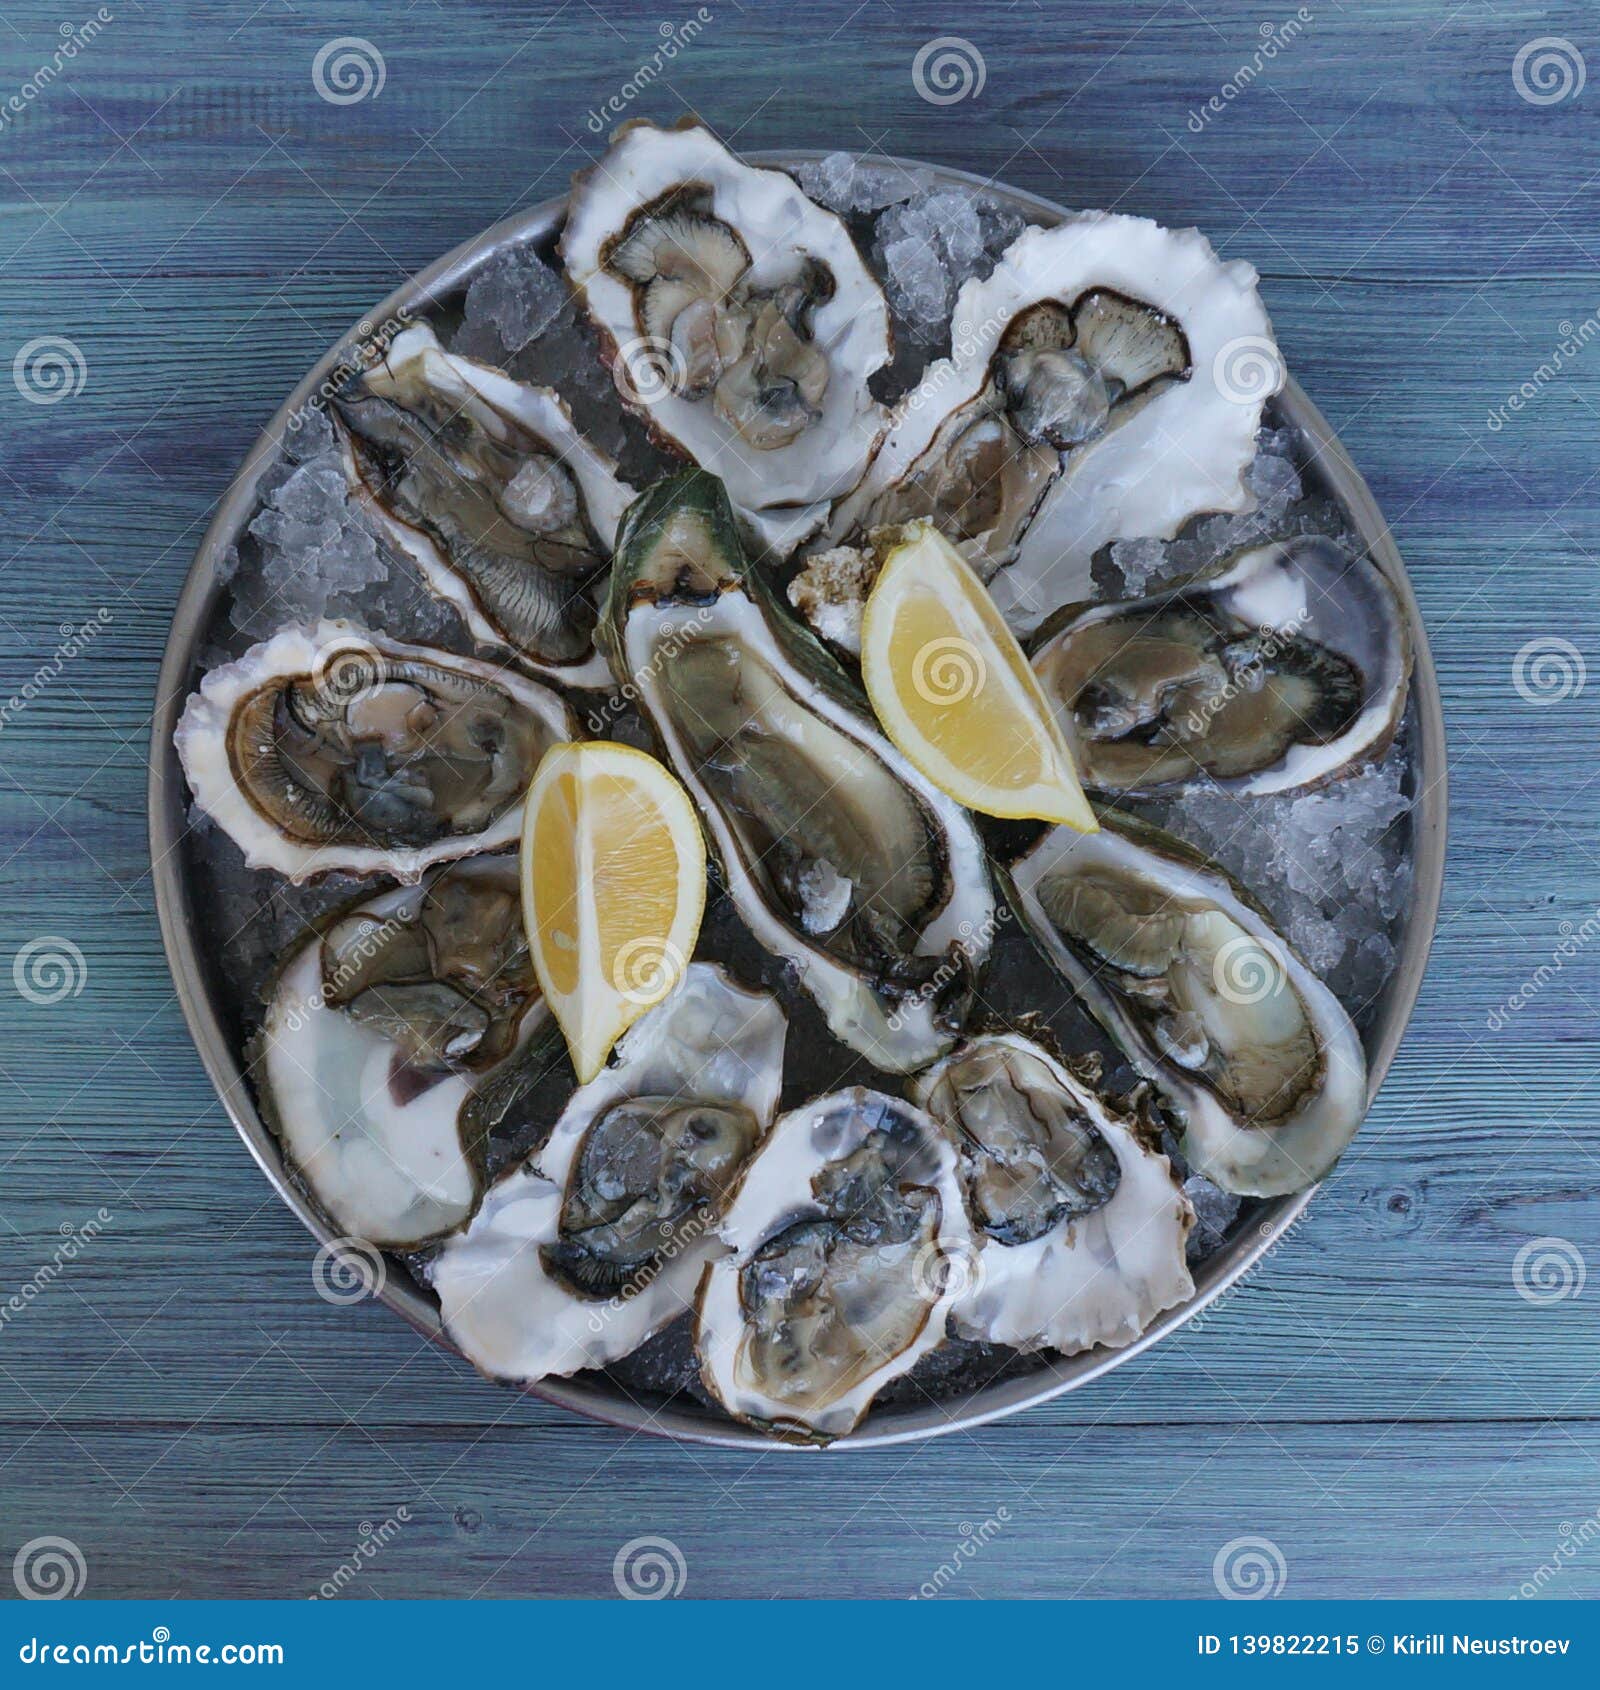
<point>1286,668</point>
<point>1105,382</point>
<point>598,1240</point>
<point>839,856</point>
<point>848,1238</point>
<point>330,748</point>
<point>743,320</point>
<point>1205,999</point>
<point>1080,1228</point>
<point>486,483</point>
<point>382,1027</point>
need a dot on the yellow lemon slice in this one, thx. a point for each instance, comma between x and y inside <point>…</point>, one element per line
<point>613,888</point>
<point>954,692</point>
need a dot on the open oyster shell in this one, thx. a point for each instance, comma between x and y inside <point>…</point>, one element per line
<point>743,321</point>
<point>1081,1229</point>
<point>487,485</point>
<point>383,1024</point>
<point>1204,997</point>
<point>598,1240</point>
<point>1285,668</point>
<point>330,748</point>
<point>1105,382</point>
<point>839,856</point>
<point>847,1241</point>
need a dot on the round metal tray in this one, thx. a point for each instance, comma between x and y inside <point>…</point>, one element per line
<point>184,939</point>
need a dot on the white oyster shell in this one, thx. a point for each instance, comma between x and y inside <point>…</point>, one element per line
<point>294,653</point>
<point>712,1042</point>
<point>1095,1279</point>
<point>1184,450</point>
<point>777,1193</point>
<point>1254,1004</point>
<point>415,357</point>
<point>780,493</point>
<point>389,1165</point>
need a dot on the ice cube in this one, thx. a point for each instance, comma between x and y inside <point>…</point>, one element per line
<point>517,295</point>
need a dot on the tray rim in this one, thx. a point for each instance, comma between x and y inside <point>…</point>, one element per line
<point>597,1399</point>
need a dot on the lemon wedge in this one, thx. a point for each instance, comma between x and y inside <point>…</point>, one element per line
<point>613,889</point>
<point>954,691</point>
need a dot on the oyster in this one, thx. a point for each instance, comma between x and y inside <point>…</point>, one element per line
<point>1105,382</point>
<point>488,486</point>
<point>331,748</point>
<point>1081,1229</point>
<point>597,1241</point>
<point>840,858</point>
<point>1204,997</point>
<point>383,1025</point>
<point>1284,669</point>
<point>743,321</point>
<point>847,1240</point>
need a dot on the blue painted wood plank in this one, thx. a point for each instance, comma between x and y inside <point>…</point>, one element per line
<point>1377,1399</point>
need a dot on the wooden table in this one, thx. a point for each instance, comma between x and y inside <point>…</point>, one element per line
<point>1378,1400</point>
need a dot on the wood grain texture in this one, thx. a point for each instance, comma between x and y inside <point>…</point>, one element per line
<point>1376,1398</point>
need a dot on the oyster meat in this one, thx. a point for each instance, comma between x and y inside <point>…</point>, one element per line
<point>847,1242</point>
<point>839,856</point>
<point>598,1240</point>
<point>1081,1229</point>
<point>1204,997</point>
<point>383,1025</point>
<point>1286,668</point>
<point>743,320</point>
<point>331,748</point>
<point>486,483</point>
<point>1105,382</point>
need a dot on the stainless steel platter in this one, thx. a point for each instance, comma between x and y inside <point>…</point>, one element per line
<point>195,965</point>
